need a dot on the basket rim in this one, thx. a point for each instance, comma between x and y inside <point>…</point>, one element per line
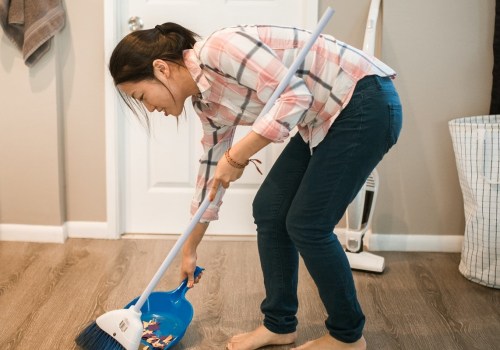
<point>477,120</point>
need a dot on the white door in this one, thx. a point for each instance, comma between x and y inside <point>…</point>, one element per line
<point>160,170</point>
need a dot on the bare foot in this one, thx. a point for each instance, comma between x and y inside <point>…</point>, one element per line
<point>327,342</point>
<point>258,338</point>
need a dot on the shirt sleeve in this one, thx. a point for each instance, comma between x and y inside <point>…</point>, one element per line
<point>216,140</point>
<point>251,63</point>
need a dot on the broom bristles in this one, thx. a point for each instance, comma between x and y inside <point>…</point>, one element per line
<point>94,338</point>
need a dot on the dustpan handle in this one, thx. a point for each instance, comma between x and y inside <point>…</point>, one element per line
<point>183,288</point>
<point>204,205</point>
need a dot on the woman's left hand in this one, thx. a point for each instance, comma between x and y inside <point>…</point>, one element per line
<point>225,173</point>
<point>239,154</point>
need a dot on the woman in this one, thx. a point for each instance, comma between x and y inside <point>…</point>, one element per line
<point>348,116</point>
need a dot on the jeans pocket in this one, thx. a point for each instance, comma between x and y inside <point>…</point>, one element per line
<point>395,124</point>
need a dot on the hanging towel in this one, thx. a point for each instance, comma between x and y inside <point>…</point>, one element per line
<point>31,24</point>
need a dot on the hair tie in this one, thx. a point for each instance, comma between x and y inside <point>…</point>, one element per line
<point>161,30</point>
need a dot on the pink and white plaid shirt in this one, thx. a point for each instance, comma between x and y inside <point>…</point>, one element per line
<point>237,69</point>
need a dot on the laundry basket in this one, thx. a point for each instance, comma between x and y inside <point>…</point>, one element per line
<point>477,155</point>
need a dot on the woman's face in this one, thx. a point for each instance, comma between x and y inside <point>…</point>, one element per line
<point>166,93</point>
<point>154,96</point>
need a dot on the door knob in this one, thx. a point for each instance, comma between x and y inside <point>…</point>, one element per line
<point>135,23</point>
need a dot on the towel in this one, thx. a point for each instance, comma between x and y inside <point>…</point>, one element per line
<point>31,24</point>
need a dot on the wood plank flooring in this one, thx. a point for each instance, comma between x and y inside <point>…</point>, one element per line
<point>49,292</point>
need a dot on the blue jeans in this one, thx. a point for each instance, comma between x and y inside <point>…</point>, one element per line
<point>304,197</point>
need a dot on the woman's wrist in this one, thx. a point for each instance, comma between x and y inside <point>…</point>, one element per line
<point>188,250</point>
<point>238,165</point>
<point>236,155</point>
<point>245,148</point>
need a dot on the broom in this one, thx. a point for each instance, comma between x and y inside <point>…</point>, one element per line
<point>122,329</point>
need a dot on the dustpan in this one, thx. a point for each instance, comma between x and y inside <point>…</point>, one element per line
<point>166,314</point>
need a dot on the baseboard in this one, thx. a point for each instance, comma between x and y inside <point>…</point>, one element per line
<point>54,234</point>
<point>99,230</point>
<point>206,237</point>
<point>33,233</point>
<point>373,242</point>
<point>410,243</point>
<point>416,243</point>
<point>88,229</point>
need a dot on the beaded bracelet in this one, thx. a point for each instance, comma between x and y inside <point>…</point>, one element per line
<point>239,165</point>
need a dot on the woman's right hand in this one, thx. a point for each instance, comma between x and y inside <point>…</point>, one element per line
<point>188,265</point>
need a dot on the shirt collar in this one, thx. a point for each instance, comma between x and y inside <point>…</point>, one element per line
<point>193,65</point>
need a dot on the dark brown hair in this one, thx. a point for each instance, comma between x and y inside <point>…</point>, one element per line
<point>132,59</point>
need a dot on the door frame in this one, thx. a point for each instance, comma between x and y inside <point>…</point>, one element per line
<point>114,127</point>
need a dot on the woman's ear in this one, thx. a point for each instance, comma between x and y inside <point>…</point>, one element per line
<point>161,69</point>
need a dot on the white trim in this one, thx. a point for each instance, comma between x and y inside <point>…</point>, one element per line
<point>55,234</point>
<point>206,237</point>
<point>33,233</point>
<point>88,229</point>
<point>409,243</point>
<point>100,230</point>
<point>416,243</point>
<point>112,125</point>
<point>374,242</point>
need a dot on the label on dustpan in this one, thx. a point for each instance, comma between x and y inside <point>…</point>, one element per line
<point>124,325</point>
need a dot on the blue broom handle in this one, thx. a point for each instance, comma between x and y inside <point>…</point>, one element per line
<point>204,205</point>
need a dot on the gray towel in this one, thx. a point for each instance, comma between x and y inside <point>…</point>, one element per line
<point>31,24</point>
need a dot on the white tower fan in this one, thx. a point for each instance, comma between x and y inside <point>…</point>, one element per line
<point>359,214</point>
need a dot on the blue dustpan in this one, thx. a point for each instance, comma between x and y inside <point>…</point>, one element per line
<point>171,310</point>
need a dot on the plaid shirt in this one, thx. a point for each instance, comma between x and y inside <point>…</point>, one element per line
<point>237,69</point>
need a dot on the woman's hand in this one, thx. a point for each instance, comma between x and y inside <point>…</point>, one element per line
<point>225,173</point>
<point>241,152</point>
<point>188,265</point>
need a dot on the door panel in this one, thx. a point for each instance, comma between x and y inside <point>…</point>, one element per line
<point>160,169</point>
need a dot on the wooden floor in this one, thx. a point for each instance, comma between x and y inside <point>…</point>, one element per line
<point>48,292</point>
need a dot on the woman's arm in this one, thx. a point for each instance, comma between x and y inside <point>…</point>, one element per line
<point>240,152</point>
<point>189,255</point>
<point>248,146</point>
